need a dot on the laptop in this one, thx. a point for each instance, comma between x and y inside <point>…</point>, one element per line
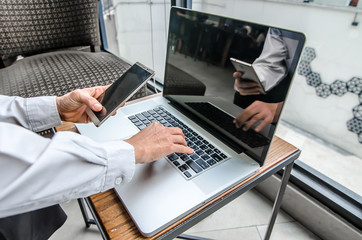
<point>200,98</point>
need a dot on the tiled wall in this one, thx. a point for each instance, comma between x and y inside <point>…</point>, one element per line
<point>338,88</point>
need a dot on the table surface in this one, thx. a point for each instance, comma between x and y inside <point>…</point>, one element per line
<point>115,219</point>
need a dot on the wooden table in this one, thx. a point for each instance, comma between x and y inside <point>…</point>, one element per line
<point>114,222</point>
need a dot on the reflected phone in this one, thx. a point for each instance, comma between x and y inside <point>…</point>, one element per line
<point>120,91</point>
<point>248,72</point>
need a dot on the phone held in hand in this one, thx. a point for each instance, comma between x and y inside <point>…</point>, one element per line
<point>248,72</point>
<point>120,91</point>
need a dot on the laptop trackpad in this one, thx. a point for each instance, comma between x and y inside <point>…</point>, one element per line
<point>112,129</point>
<point>225,175</point>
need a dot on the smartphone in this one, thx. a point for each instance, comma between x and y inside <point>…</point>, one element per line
<point>120,91</point>
<point>248,72</point>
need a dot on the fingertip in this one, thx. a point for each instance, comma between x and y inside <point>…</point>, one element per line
<point>97,107</point>
<point>237,125</point>
<point>237,74</point>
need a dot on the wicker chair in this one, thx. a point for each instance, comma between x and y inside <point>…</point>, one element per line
<point>49,34</point>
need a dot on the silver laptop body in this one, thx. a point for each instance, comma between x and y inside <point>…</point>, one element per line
<point>159,194</point>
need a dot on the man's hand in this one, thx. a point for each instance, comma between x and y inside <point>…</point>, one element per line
<point>244,86</point>
<point>258,111</point>
<point>157,141</point>
<point>72,106</point>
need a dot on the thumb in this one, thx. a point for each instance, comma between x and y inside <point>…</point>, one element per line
<point>91,102</point>
<point>96,106</point>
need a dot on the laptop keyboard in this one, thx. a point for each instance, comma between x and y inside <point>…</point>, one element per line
<point>225,121</point>
<point>205,155</point>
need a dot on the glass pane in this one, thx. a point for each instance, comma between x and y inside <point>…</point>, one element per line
<point>137,31</point>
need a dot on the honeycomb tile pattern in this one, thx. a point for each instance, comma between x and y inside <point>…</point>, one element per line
<point>314,79</point>
<point>354,125</point>
<point>304,68</point>
<point>357,111</point>
<point>354,85</point>
<point>338,88</point>
<point>323,90</point>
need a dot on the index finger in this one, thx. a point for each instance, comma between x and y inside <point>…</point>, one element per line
<point>181,149</point>
<point>99,90</point>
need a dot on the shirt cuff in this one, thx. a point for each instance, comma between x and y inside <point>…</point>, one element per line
<point>121,163</point>
<point>42,113</point>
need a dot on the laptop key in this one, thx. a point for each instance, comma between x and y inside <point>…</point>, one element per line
<point>176,163</point>
<point>202,163</point>
<point>199,152</point>
<point>146,122</point>
<point>163,122</point>
<point>187,174</point>
<point>140,117</point>
<point>172,157</point>
<point>192,138</point>
<point>185,158</point>
<point>216,157</point>
<point>211,162</point>
<point>203,147</point>
<point>194,166</point>
<point>209,151</point>
<point>223,155</point>
<point>194,156</point>
<point>146,114</point>
<point>135,120</point>
<point>183,168</point>
<point>141,127</point>
<point>138,123</point>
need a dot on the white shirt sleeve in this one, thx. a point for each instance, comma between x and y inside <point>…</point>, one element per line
<point>271,66</point>
<point>37,172</point>
<point>36,114</point>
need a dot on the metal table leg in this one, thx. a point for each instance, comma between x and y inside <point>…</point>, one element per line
<point>88,221</point>
<point>189,237</point>
<point>278,200</point>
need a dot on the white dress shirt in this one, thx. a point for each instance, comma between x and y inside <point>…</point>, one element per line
<point>37,172</point>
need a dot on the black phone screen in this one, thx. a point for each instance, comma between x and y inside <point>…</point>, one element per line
<point>121,89</point>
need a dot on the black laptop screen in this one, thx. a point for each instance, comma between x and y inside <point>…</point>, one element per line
<point>199,76</point>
